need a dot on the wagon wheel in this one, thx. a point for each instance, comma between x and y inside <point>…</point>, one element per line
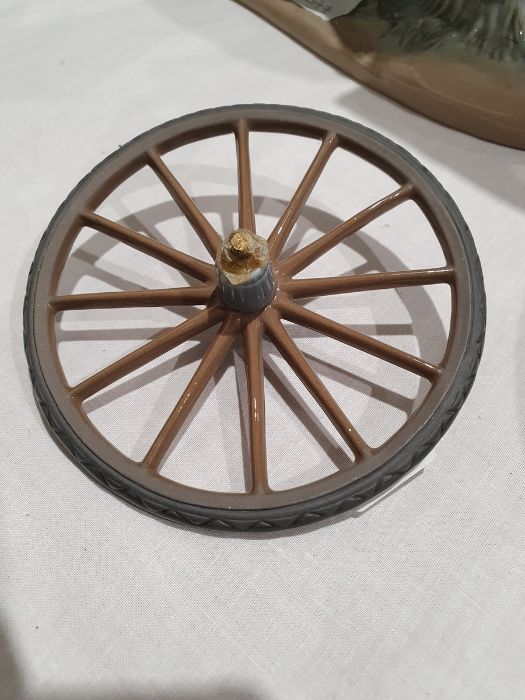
<point>371,469</point>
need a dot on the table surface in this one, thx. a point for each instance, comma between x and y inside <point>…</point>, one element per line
<point>419,596</point>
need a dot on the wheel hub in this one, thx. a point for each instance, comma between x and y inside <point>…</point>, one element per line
<point>244,272</point>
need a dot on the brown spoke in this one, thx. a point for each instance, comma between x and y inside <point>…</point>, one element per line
<point>300,366</point>
<point>255,376</point>
<point>290,215</point>
<point>304,317</point>
<point>185,263</point>
<point>191,211</point>
<point>321,286</point>
<point>119,300</point>
<point>246,214</point>
<point>158,346</point>
<point>207,367</point>
<point>305,256</point>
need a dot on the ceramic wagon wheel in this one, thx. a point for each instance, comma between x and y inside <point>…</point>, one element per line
<point>248,288</point>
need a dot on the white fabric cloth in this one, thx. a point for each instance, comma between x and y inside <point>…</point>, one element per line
<point>421,595</point>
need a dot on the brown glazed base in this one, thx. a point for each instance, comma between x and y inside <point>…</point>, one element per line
<point>475,95</point>
<point>259,507</point>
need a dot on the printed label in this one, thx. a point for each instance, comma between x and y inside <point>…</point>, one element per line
<point>328,9</point>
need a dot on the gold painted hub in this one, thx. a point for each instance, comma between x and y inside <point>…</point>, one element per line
<point>241,243</point>
<point>241,255</point>
<point>244,272</point>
